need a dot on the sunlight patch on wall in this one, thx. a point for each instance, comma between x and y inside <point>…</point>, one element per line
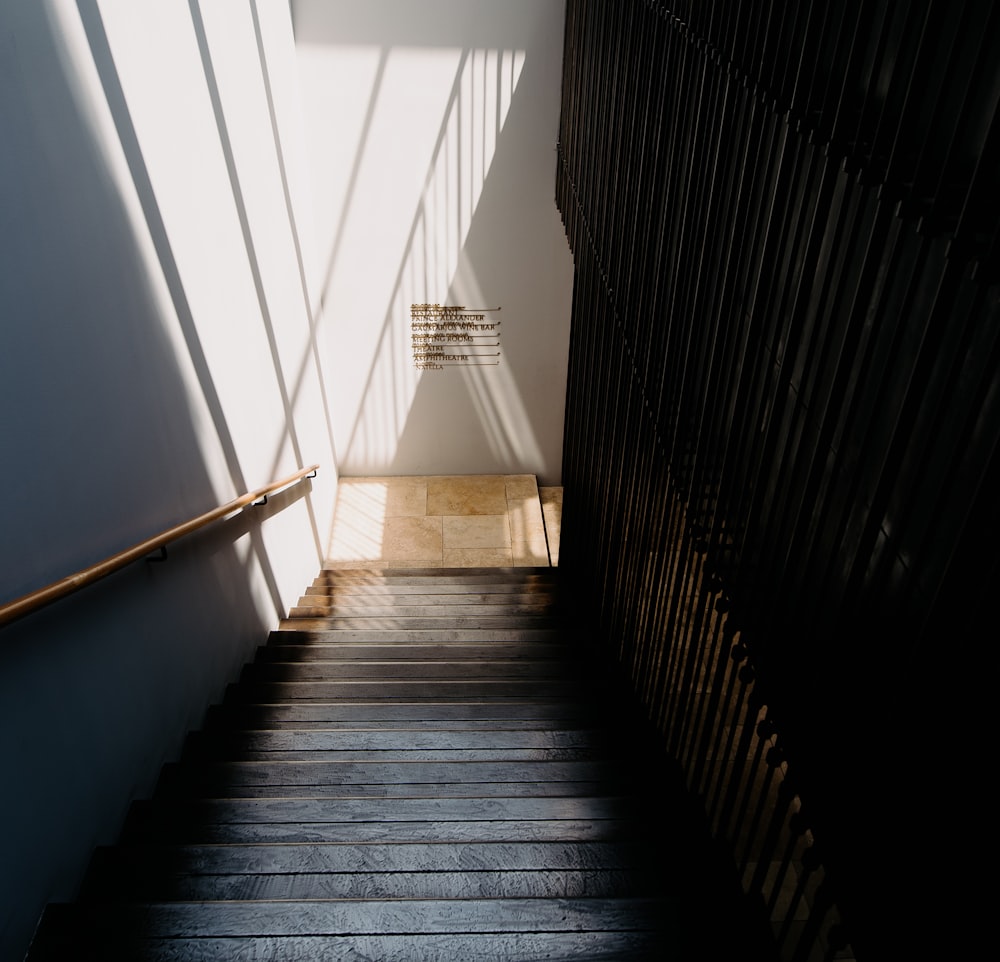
<point>497,399</point>
<point>423,126</point>
<point>484,82</point>
<point>91,101</point>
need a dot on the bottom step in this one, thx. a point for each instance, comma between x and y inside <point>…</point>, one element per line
<point>450,947</point>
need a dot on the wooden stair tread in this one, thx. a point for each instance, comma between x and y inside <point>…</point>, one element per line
<point>320,608</point>
<point>436,947</point>
<point>466,713</point>
<point>504,830</point>
<point>398,739</point>
<point>371,772</point>
<point>440,669</point>
<point>384,789</point>
<point>356,917</point>
<point>310,810</point>
<point>317,628</point>
<point>416,595</point>
<point>479,883</point>
<point>519,574</point>
<point>278,650</point>
<point>291,858</point>
<point>418,689</point>
<point>313,619</point>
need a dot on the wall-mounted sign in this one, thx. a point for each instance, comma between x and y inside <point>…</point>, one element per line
<point>445,336</point>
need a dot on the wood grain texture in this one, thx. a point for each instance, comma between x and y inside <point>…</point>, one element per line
<point>309,810</point>
<point>396,739</point>
<point>356,917</point>
<point>416,597</point>
<point>439,669</point>
<point>301,858</point>
<point>296,628</point>
<point>322,651</point>
<point>371,789</point>
<point>485,947</point>
<point>492,884</point>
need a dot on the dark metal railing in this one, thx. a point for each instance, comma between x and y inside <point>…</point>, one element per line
<point>783,417</point>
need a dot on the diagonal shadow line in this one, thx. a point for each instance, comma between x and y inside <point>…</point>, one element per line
<point>501,440</point>
<point>484,400</point>
<point>352,182</point>
<point>293,226</point>
<point>100,48</point>
<point>419,213</point>
<point>238,198</point>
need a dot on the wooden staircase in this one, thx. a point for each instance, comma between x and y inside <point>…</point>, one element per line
<point>418,765</point>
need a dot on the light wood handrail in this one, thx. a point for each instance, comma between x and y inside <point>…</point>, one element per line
<point>59,589</point>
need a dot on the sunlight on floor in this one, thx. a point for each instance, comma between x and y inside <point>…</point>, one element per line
<point>446,521</point>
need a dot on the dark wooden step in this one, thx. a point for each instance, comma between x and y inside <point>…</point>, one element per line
<point>392,670</point>
<point>209,751</point>
<point>437,576</point>
<point>296,630</point>
<point>365,811</point>
<point>353,833</point>
<point>172,787</point>
<point>425,884</point>
<point>413,595</point>
<point>395,744</point>
<point>277,650</point>
<point>177,920</point>
<point>397,740</point>
<point>528,946</point>
<point>320,608</point>
<point>122,862</point>
<point>459,623</point>
<point>413,690</point>
<point>433,775</point>
<point>457,715</point>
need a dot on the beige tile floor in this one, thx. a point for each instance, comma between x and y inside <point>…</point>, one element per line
<point>446,522</point>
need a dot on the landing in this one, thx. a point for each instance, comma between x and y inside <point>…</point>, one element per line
<point>445,521</point>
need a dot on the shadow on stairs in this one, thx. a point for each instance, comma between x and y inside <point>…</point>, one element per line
<point>419,764</point>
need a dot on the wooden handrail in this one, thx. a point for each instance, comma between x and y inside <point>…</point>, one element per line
<point>59,589</point>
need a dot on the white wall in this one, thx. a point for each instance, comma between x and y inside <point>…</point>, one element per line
<point>158,357</point>
<point>431,130</point>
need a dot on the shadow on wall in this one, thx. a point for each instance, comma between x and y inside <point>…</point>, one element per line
<point>121,418</point>
<point>417,117</point>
